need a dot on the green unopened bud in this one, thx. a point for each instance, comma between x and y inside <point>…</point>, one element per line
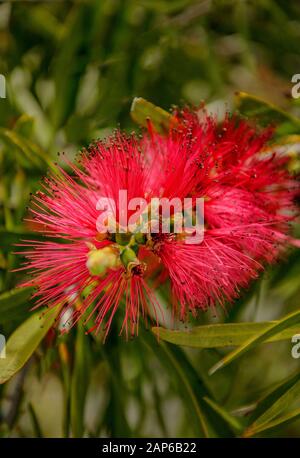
<point>99,261</point>
<point>133,265</point>
<point>140,238</point>
<point>128,256</point>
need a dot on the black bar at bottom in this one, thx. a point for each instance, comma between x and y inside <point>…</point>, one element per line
<point>89,448</point>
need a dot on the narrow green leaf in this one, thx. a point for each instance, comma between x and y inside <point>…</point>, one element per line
<point>35,422</point>
<point>264,111</point>
<point>66,380</point>
<point>10,237</point>
<point>142,111</point>
<point>24,125</point>
<point>222,335</point>
<point>273,395</point>
<point>12,303</point>
<point>192,390</point>
<point>30,151</point>
<point>207,421</point>
<point>283,420</point>
<point>24,341</point>
<point>79,382</point>
<point>275,410</point>
<point>232,422</point>
<point>71,60</point>
<point>115,417</point>
<point>274,328</point>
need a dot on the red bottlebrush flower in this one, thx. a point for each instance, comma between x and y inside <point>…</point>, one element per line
<point>248,202</point>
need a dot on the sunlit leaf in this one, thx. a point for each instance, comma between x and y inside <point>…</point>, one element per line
<point>143,111</point>
<point>24,341</point>
<point>259,337</point>
<point>222,335</point>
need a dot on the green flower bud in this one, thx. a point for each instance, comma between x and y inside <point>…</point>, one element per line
<point>129,256</point>
<point>99,261</point>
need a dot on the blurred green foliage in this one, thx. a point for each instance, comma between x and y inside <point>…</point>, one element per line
<point>72,69</point>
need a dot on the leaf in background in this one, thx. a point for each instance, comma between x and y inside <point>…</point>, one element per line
<point>43,22</point>
<point>12,303</point>
<point>278,406</point>
<point>221,335</point>
<point>207,421</point>
<point>232,422</point>
<point>290,146</point>
<point>65,366</point>
<point>35,422</point>
<point>187,387</point>
<point>266,113</point>
<point>9,237</point>
<point>143,111</point>
<point>268,400</point>
<point>29,150</point>
<point>272,330</point>
<point>79,381</point>
<point>115,417</point>
<point>283,420</point>
<point>24,125</point>
<point>24,341</point>
<point>71,61</point>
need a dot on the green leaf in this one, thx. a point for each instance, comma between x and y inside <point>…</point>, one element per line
<point>222,335</point>
<point>79,382</point>
<point>115,417</point>
<point>283,420</point>
<point>273,395</point>
<point>142,111</point>
<point>24,125</point>
<point>29,150</point>
<point>264,111</point>
<point>10,237</point>
<point>35,422</point>
<point>12,303</point>
<point>206,421</point>
<point>282,403</point>
<point>272,330</point>
<point>232,422</point>
<point>24,341</point>
<point>190,386</point>
<point>71,61</point>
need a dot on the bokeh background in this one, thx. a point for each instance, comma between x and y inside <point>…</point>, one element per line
<point>72,69</point>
